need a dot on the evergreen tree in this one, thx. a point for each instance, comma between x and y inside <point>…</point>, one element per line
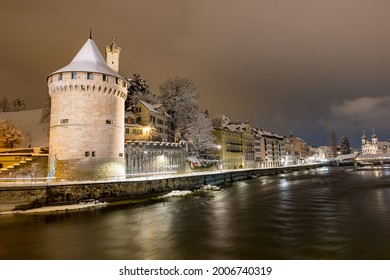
<point>344,146</point>
<point>138,90</point>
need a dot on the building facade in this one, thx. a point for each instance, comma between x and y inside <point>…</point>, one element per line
<point>374,146</point>
<point>87,123</point>
<point>230,150</point>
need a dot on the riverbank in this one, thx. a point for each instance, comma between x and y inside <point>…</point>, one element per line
<point>22,198</point>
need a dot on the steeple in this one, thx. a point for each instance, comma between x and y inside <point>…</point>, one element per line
<point>112,55</point>
<point>374,138</point>
<point>364,138</point>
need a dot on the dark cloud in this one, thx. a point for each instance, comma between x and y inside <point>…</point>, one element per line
<point>283,65</point>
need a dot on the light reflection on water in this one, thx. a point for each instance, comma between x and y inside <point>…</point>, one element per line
<point>322,214</point>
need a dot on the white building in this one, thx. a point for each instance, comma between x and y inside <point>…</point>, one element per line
<point>374,146</point>
<point>87,116</point>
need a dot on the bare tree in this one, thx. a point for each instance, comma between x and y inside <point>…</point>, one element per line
<point>333,143</point>
<point>46,110</point>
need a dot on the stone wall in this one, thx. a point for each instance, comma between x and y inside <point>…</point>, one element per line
<point>16,198</point>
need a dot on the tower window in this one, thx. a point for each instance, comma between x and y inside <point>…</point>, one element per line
<point>89,76</point>
<point>93,154</point>
<point>117,81</point>
<point>86,154</point>
<point>108,121</point>
<point>120,154</point>
<point>60,77</point>
<point>74,75</point>
<point>63,121</point>
<point>104,78</point>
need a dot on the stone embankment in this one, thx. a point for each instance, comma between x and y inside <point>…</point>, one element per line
<point>22,197</point>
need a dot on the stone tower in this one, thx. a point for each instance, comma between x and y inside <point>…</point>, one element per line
<point>112,56</point>
<point>87,118</point>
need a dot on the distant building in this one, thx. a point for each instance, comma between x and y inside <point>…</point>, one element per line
<point>374,146</point>
<point>270,149</point>
<point>301,150</point>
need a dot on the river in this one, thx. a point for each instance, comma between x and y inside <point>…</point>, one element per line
<point>327,213</point>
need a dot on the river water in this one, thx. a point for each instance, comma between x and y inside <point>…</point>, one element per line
<point>325,213</point>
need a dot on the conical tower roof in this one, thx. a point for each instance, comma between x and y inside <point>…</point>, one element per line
<point>88,59</point>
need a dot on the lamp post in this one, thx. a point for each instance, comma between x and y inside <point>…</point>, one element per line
<point>220,156</point>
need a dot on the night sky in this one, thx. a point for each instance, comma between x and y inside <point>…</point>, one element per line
<point>304,66</point>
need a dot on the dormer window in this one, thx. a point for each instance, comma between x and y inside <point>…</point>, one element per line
<point>74,75</point>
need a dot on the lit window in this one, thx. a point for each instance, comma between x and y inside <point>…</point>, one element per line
<point>74,75</point>
<point>64,121</point>
<point>89,76</point>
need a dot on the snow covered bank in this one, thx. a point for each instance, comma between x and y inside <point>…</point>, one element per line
<point>177,193</point>
<point>81,205</point>
<point>210,188</point>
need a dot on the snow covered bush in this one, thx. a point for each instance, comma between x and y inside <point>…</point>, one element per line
<point>9,134</point>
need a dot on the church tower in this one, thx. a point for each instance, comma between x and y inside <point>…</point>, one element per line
<point>374,138</point>
<point>86,122</point>
<point>112,56</point>
<point>364,139</point>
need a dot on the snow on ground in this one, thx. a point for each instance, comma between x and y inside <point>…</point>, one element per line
<point>34,132</point>
<point>79,206</point>
<point>177,193</point>
<point>210,188</point>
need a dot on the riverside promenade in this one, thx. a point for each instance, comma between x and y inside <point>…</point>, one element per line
<point>23,195</point>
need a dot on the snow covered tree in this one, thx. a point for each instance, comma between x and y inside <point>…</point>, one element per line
<point>9,134</point>
<point>179,97</point>
<point>344,146</point>
<point>138,90</point>
<point>219,120</point>
<point>200,136</point>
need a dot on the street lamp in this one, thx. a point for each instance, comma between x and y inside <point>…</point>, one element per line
<point>220,156</point>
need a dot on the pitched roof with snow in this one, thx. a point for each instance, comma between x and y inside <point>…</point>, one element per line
<point>88,59</point>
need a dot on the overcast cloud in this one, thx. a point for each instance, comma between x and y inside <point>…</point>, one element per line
<point>305,66</point>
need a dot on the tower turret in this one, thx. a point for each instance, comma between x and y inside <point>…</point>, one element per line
<point>374,138</point>
<point>112,56</point>
<point>364,138</point>
<point>86,122</point>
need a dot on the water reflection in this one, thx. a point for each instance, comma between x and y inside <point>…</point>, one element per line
<point>322,214</point>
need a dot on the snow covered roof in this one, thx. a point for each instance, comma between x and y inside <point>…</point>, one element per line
<point>149,106</point>
<point>347,156</point>
<point>88,59</point>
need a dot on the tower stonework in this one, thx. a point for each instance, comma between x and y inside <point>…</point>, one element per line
<point>86,122</point>
<point>112,56</point>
